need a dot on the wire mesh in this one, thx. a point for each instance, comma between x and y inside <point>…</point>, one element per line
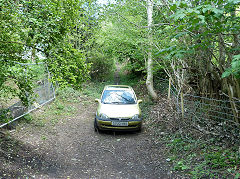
<point>44,92</point>
<point>209,108</point>
<point>201,107</point>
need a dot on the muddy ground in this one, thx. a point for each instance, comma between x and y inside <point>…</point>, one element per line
<point>72,149</point>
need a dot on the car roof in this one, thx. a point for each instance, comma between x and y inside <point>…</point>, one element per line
<point>118,87</point>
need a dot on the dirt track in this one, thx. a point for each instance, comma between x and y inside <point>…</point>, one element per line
<point>71,149</point>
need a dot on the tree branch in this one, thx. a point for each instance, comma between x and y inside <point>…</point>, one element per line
<point>127,20</point>
<point>21,43</point>
<point>154,25</point>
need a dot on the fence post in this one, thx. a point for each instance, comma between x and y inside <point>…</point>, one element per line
<point>182,104</point>
<point>169,88</point>
<point>233,105</point>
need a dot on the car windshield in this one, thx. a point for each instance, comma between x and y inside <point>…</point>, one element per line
<point>118,97</point>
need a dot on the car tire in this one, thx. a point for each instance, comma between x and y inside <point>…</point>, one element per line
<point>95,125</point>
<point>140,129</point>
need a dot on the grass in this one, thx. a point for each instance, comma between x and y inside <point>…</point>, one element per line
<point>67,103</point>
<point>203,159</point>
<point>194,155</point>
<point>64,106</point>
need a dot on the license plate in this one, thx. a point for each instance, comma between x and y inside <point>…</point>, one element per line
<point>116,123</point>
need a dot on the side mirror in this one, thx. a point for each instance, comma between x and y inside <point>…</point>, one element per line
<point>139,101</point>
<point>97,100</point>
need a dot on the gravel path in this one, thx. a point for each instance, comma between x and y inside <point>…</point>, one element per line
<point>71,149</point>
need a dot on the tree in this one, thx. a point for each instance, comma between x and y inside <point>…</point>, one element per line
<point>202,43</point>
<point>149,81</point>
<point>31,27</point>
<point>122,37</point>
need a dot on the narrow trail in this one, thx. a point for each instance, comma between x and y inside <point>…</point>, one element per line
<point>116,74</point>
<point>71,149</point>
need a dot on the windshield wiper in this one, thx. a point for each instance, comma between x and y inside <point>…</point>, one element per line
<point>116,102</point>
<point>106,103</point>
<point>126,100</point>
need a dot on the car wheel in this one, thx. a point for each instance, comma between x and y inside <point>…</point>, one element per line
<point>139,129</point>
<point>95,126</point>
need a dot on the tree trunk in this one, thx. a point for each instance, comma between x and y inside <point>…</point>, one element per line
<point>149,81</point>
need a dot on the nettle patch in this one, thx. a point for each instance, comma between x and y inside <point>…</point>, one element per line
<point>201,158</point>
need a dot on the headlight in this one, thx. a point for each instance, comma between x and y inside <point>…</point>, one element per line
<point>103,116</point>
<point>136,116</point>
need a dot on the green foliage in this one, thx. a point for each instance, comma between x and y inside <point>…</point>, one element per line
<point>28,118</point>
<point>101,65</point>
<point>94,89</point>
<point>66,71</point>
<point>198,38</point>
<point>4,116</point>
<point>130,79</point>
<point>222,158</point>
<point>203,159</point>
<point>235,68</point>
<point>68,94</point>
<point>117,39</point>
<point>43,137</point>
<point>42,31</point>
<point>180,166</point>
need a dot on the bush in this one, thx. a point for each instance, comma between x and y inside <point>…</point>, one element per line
<point>101,66</point>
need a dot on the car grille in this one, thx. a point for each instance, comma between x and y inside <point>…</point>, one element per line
<point>120,119</point>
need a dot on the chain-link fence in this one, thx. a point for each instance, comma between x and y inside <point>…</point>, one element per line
<point>202,108</point>
<point>197,107</point>
<point>44,92</point>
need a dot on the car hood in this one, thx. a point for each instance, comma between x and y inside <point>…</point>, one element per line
<point>119,111</point>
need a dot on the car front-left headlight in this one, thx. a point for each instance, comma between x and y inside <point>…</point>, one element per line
<point>136,117</point>
<point>103,116</point>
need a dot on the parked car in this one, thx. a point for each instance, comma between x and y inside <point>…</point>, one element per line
<point>118,109</point>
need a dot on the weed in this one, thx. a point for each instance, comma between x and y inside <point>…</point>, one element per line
<point>40,123</point>
<point>181,165</point>
<point>4,116</point>
<point>54,121</point>
<point>222,158</point>
<point>68,94</point>
<point>60,106</point>
<point>200,171</point>
<point>130,79</point>
<point>145,106</point>
<point>27,118</point>
<point>71,109</point>
<point>202,160</point>
<point>44,137</point>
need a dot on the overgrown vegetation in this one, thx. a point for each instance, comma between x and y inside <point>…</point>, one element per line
<point>66,105</point>
<point>201,158</point>
<point>42,31</point>
<point>194,43</point>
<point>192,150</point>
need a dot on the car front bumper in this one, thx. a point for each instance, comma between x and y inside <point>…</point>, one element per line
<point>106,124</point>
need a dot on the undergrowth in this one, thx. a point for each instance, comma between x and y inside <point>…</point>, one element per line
<point>201,158</point>
<point>192,152</point>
